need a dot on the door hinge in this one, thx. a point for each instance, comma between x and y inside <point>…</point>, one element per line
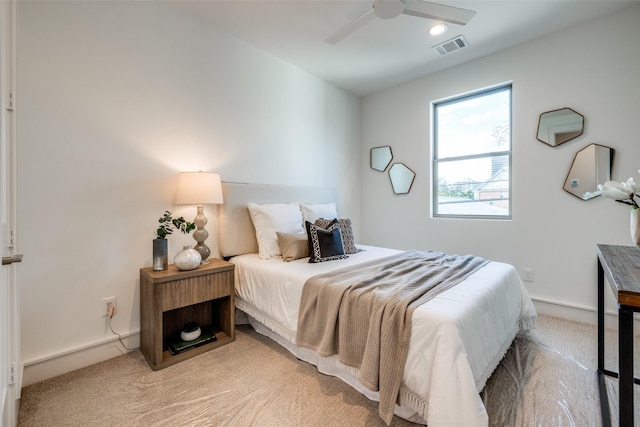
<point>12,237</point>
<point>8,235</point>
<point>12,373</point>
<point>11,101</point>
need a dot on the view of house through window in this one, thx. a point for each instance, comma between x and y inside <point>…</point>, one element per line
<point>472,155</point>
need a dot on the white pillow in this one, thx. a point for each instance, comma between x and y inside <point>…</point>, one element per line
<point>268,219</point>
<point>319,210</point>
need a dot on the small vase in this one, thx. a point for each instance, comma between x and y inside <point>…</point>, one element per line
<point>635,226</point>
<point>187,259</point>
<point>160,256</point>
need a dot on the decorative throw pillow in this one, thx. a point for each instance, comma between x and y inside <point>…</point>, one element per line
<point>311,212</point>
<point>348,241</point>
<point>324,245</point>
<point>293,246</point>
<point>269,218</point>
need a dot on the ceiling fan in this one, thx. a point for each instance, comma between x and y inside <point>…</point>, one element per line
<point>388,9</point>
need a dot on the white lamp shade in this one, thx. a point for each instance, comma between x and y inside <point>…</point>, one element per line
<point>199,188</point>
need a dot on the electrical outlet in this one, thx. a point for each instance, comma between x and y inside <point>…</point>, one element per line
<point>528,274</point>
<point>109,306</point>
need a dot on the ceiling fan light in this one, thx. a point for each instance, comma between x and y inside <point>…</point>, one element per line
<point>438,29</point>
<point>388,9</point>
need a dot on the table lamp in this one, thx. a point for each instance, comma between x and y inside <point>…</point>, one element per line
<point>199,188</point>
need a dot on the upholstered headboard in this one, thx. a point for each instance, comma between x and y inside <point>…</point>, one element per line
<point>236,234</point>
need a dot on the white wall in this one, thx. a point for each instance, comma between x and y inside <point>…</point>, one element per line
<point>592,68</point>
<point>116,98</point>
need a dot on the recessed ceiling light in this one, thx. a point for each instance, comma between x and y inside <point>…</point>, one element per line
<point>438,29</point>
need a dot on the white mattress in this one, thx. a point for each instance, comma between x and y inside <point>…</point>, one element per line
<point>457,339</point>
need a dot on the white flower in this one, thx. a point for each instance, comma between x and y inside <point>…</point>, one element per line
<point>631,184</point>
<point>590,194</point>
<point>620,191</point>
<point>615,190</point>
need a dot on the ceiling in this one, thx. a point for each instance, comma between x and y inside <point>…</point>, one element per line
<point>384,53</point>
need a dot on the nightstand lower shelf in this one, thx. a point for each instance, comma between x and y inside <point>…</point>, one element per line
<point>169,359</point>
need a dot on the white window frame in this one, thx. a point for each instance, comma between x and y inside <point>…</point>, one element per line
<point>435,160</point>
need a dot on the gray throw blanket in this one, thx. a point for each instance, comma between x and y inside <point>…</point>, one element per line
<point>363,313</point>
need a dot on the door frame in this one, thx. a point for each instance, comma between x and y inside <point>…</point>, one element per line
<point>10,364</point>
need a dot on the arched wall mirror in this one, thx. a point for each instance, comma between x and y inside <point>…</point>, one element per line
<point>559,126</point>
<point>591,166</point>
<point>381,158</point>
<point>401,178</point>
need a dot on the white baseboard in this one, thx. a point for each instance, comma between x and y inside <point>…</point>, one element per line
<point>57,364</point>
<point>50,366</point>
<point>578,313</point>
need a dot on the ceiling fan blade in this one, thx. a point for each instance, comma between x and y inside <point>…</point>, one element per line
<point>351,27</point>
<point>438,12</point>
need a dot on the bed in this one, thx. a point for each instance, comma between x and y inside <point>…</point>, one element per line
<point>457,338</point>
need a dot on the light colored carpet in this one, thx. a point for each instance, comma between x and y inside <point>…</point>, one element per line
<point>546,379</point>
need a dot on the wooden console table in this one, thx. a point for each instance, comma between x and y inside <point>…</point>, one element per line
<point>621,265</point>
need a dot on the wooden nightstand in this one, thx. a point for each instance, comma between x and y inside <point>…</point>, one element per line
<point>172,298</point>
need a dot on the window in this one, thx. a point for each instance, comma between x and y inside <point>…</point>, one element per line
<point>472,155</point>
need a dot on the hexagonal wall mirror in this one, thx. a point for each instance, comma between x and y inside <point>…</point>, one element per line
<point>401,178</point>
<point>380,158</point>
<point>559,126</point>
<point>591,166</point>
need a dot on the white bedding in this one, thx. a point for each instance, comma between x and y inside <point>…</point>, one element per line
<point>457,339</point>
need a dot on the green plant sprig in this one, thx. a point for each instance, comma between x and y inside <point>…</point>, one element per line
<point>167,223</point>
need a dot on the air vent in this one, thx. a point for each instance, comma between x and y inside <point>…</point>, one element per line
<point>451,45</point>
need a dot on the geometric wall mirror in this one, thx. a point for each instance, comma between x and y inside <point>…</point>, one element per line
<point>591,166</point>
<point>380,158</point>
<point>401,178</point>
<point>559,126</point>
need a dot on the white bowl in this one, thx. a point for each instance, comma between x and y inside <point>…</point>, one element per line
<point>190,335</point>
